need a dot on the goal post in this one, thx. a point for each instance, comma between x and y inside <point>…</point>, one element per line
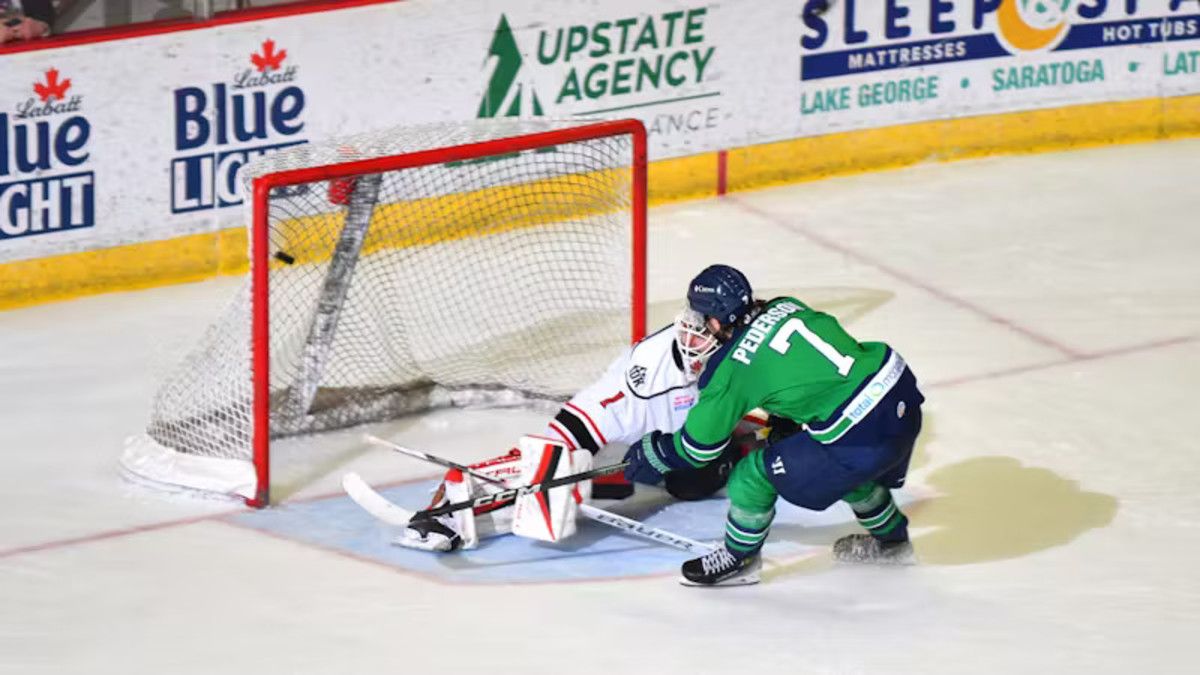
<point>491,261</point>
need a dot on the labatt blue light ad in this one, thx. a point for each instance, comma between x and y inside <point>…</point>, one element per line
<point>46,185</point>
<point>221,127</point>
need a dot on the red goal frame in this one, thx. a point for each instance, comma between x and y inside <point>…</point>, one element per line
<point>260,244</point>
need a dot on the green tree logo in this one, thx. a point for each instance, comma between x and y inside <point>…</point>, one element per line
<point>504,97</point>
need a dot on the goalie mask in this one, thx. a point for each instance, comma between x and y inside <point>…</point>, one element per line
<point>696,343</point>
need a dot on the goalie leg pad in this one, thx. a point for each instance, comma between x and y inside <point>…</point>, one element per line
<point>550,515</point>
<point>460,487</point>
<point>468,527</point>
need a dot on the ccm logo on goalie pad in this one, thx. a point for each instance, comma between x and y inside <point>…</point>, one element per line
<point>505,495</point>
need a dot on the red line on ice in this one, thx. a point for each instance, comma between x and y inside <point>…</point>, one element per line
<point>909,279</point>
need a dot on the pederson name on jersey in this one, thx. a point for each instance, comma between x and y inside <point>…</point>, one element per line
<point>757,332</point>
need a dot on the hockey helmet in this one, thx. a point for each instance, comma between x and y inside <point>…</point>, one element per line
<point>722,292</point>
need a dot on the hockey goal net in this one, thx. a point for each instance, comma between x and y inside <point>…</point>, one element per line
<point>469,263</point>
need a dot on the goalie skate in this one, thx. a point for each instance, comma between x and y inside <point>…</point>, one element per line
<point>431,534</point>
<point>865,549</point>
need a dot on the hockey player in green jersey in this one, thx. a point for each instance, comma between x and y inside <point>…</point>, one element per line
<point>844,415</point>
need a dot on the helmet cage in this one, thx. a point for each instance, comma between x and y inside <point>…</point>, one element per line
<point>695,341</point>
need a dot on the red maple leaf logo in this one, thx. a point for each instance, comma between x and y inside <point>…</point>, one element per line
<point>52,89</point>
<point>268,60</point>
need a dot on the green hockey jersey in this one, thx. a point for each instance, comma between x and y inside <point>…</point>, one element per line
<point>792,361</point>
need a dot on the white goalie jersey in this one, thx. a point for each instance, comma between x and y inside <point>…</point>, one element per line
<point>647,387</point>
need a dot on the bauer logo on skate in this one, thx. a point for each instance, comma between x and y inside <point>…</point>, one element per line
<point>43,146</point>
<point>858,37</point>
<point>222,126</point>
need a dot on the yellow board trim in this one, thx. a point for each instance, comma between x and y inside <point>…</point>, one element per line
<point>201,256</point>
<point>955,139</point>
<point>123,268</point>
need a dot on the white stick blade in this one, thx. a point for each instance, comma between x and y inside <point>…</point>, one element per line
<point>374,503</point>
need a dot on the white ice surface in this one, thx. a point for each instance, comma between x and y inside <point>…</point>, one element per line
<point>1049,304</point>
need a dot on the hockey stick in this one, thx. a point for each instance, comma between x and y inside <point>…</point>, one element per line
<point>432,459</point>
<point>640,529</point>
<point>513,493</point>
<point>374,503</point>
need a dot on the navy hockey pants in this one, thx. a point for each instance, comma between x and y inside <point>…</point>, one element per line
<point>814,475</point>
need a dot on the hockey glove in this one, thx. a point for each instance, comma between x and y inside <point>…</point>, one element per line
<point>780,428</point>
<point>692,484</point>
<point>652,457</point>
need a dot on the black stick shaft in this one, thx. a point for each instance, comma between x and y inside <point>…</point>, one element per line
<point>513,493</point>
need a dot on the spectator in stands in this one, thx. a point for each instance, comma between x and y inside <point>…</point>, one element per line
<point>25,19</point>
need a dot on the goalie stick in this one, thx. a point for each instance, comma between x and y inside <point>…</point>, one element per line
<point>374,503</point>
<point>432,459</point>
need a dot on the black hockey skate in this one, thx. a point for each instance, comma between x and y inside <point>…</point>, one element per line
<point>721,568</point>
<point>863,548</point>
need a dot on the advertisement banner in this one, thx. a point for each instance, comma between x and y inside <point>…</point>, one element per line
<point>115,143</point>
<point>867,63</point>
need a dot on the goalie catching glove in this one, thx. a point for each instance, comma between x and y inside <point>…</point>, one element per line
<point>548,516</point>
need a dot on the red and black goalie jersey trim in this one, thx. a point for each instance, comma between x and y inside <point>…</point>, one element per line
<point>580,429</point>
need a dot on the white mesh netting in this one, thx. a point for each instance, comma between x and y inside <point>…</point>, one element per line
<point>494,279</point>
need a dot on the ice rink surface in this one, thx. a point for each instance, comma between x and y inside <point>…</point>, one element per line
<point>1049,304</point>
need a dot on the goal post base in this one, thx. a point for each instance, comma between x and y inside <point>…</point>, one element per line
<point>145,461</point>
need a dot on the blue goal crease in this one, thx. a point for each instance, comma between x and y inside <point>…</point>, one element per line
<point>596,552</point>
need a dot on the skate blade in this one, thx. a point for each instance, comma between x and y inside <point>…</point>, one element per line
<point>736,581</point>
<point>415,544</point>
<point>902,560</point>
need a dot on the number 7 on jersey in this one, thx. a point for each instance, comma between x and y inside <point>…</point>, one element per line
<point>781,342</point>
